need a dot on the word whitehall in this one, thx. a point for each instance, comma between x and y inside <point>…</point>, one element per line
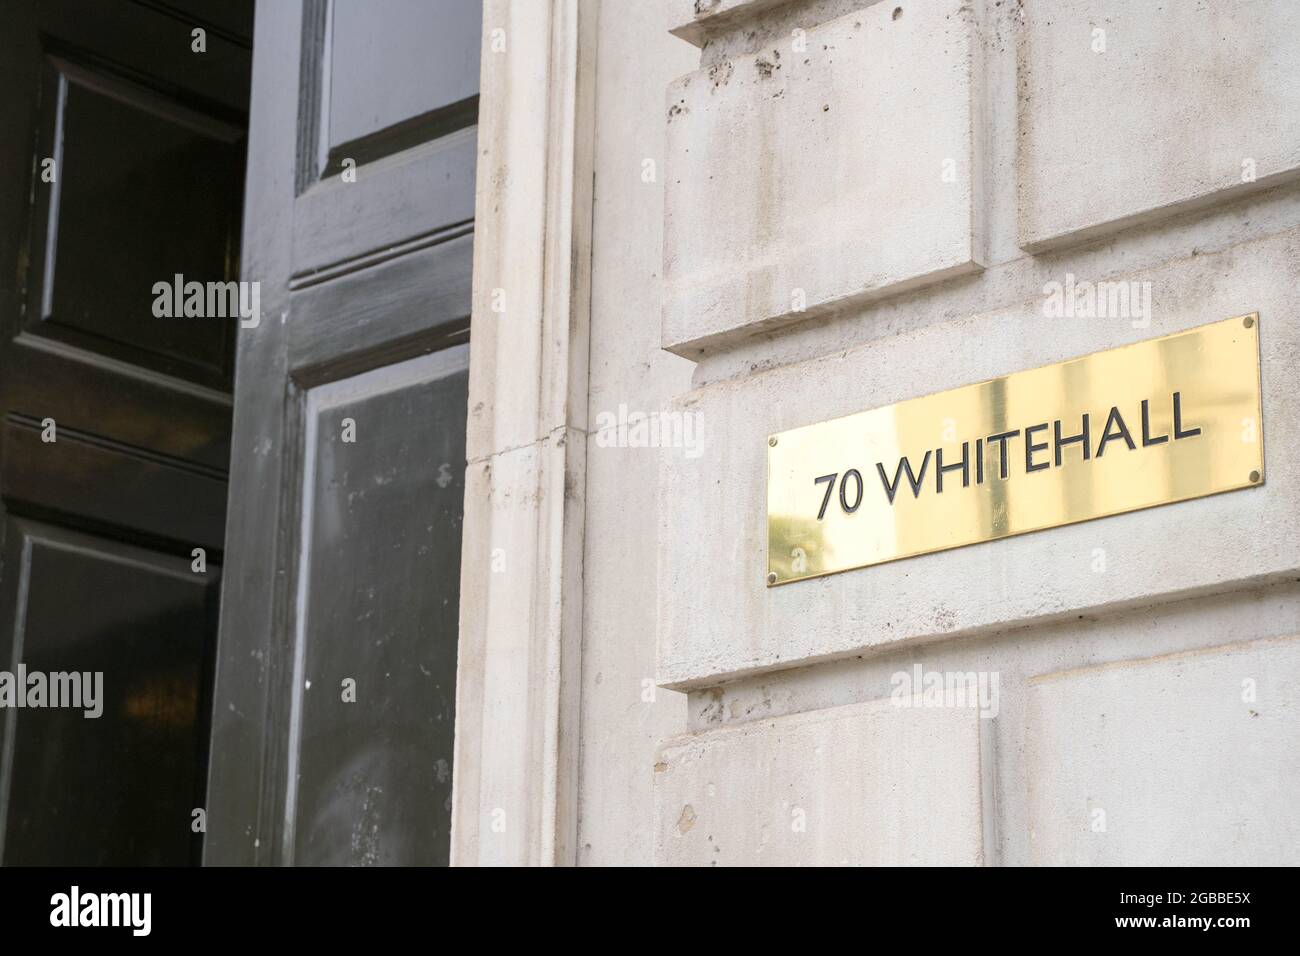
<point>209,300</point>
<point>1083,445</point>
<point>80,691</point>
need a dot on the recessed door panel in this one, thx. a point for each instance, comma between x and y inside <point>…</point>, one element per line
<point>123,213</point>
<point>387,104</point>
<point>379,582</point>
<point>118,787</point>
<point>415,60</point>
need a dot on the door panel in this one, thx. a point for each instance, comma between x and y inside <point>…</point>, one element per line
<point>417,62</point>
<point>378,595</point>
<point>127,214</point>
<point>397,94</point>
<point>120,788</point>
<point>413,301</point>
<point>337,224</point>
<point>91,393</point>
<point>114,422</point>
<point>344,562</point>
<point>110,485</point>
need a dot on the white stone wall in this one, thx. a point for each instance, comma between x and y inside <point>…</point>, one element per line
<point>875,220</point>
<point>624,715</point>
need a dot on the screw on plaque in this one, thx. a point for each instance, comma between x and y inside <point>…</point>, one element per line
<point>1254,477</point>
<point>1249,321</point>
<point>772,441</point>
<point>771,577</point>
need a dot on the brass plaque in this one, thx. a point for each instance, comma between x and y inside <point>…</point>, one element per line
<point>1132,427</point>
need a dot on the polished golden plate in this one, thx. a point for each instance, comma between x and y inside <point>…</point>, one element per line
<point>1167,419</point>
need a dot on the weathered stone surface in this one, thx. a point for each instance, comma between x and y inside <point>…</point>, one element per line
<point>798,178</point>
<point>695,20</point>
<point>717,619</point>
<point>1182,760</point>
<point>866,784</point>
<point>1176,579</point>
<point>1130,112</point>
<point>623,720</point>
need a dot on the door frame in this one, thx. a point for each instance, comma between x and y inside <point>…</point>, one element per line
<point>515,773</point>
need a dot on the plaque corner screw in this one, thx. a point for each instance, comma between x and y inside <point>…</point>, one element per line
<point>771,575</point>
<point>772,441</point>
<point>1254,477</point>
<point>1249,321</point>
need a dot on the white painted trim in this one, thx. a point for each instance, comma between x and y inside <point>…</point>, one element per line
<point>517,694</point>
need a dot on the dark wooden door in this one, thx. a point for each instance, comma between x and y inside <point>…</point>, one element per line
<point>335,694</point>
<point>121,165</point>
